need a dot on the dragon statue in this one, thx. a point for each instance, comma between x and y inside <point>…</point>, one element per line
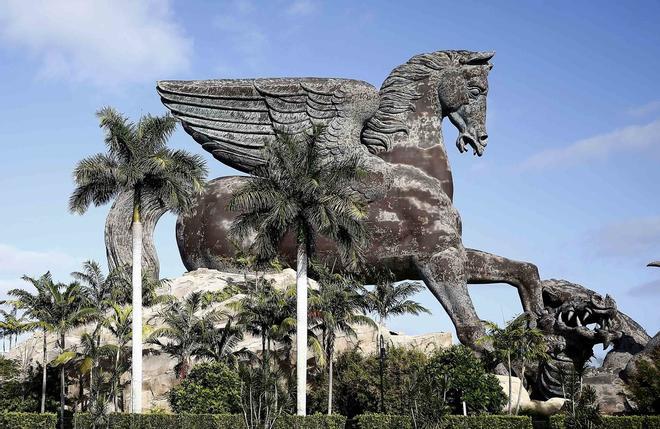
<point>416,231</point>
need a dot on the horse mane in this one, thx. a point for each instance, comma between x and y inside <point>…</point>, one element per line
<point>399,93</point>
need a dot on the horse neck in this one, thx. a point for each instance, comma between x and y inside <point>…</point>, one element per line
<point>423,146</point>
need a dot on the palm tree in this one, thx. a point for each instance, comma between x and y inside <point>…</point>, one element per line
<point>39,308</point>
<point>387,299</point>
<point>184,323</point>
<point>138,162</point>
<point>119,324</point>
<point>336,307</point>
<point>516,342</point>
<point>12,326</point>
<point>220,344</point>
<point>298,191</point>
<point>69,311</point>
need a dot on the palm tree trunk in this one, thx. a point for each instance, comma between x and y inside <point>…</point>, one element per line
<point>522,378</point>
<point>136,373</point>
<point>508,356</point>
<point>330,364</point>
<point>301,329</point>
<point>62,384</point>
<point>43,376</point>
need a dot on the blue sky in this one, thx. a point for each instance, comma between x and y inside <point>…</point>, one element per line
<point>569,180</point>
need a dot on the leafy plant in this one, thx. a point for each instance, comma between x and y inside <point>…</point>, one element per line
<point>209,388</point>
<point>644,385</point>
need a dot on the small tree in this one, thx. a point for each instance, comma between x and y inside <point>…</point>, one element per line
<point>516,343</point>
<point>581,408</point>
<point>210,388</point>
<point>644,383</point>
<point>335,308</point>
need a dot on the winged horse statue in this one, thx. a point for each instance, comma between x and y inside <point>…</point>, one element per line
<point>415,228</point>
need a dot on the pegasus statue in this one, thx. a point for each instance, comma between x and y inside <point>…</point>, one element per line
<point>415,228</point>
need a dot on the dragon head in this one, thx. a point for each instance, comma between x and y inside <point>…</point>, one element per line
<point>578,314</point>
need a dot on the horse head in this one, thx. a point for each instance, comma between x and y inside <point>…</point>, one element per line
<point>462,91</point>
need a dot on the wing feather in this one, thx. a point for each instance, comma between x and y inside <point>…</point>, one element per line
<point>235,119</point>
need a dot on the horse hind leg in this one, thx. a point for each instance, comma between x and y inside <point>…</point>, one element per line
<point>482,267</point>
<point>444,275</point>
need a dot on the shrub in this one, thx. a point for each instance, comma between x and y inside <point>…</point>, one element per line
<point>357,382</point>
<point>454,375</point>
<point>210,388</point>
<point>315,421</point>
<point>164,421</point>
<point>382,421</point>
<point>614,422</point>
<point>644,383</point>
<point>27,421</point>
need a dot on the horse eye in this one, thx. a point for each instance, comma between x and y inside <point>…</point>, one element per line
<point>474,91</point>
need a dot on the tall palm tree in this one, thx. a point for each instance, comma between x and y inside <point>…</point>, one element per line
<point>387,299</point>
<point>298,191</point>
<point>335,308</point>
<point>182,330</point>
<point>69,311</point>
<point>12,325</point>
<point>39,308</point>
<point>138,161</point>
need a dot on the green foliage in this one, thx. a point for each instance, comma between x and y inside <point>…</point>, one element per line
<point>384,421</point>
<point>613,422</point>
<point>296,191</point>
<point>357,382</point>
<point>644,385</point>
<point>314,421</point>
<point>581,407</point>
<point>164,421</point>
<point>28,421</point>
<point>454,375</point>
<point>210,388</point>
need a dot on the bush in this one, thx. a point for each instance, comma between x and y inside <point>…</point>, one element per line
<point>28,421</point>
<point>644,383</point>
<point>210,388</point>
<point>315,421</point>
<point>614,422</point>
<point>164,421</point>
<point>458,375</point>
<point>383,421</point>
<point>357,382</point>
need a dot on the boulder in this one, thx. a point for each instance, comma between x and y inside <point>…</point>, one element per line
<point>544,408</point>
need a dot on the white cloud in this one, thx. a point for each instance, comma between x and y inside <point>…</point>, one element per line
<point>302,8</point>
<point>638,238</point>
<point>630,138</point>
<point>104,42</point>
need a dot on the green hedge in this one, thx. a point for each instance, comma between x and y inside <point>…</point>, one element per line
<point>206,421</point>
<point>615,422</point>
<point>383,421</point>
<point>315,421</point>
<point>164,421</point>
<point>27,421</point>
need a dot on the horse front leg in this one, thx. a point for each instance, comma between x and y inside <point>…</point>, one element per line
<point>482,267</point>
<point>444,275</point>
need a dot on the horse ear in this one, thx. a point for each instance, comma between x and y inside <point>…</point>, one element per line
<point>477,58</point>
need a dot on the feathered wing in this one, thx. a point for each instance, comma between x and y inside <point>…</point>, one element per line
<point>235,119</point>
